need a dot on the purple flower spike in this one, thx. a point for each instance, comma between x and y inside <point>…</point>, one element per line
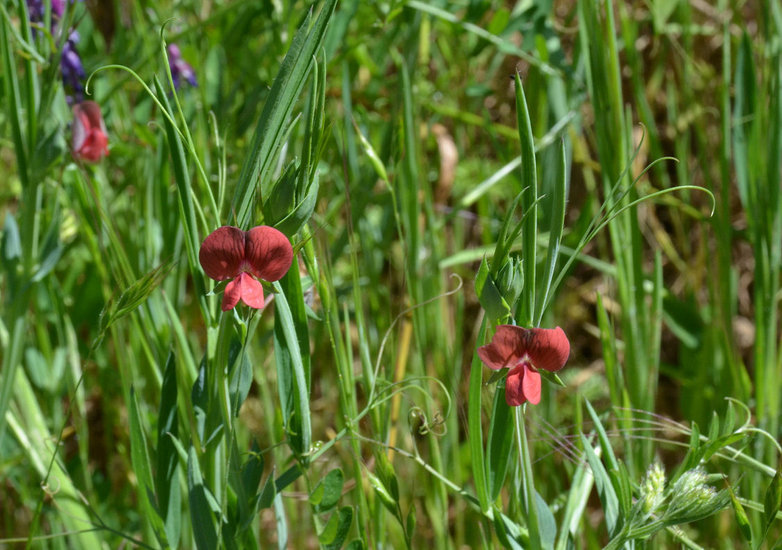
<point>180,69</point>
<point>35,10</point>
<point>58,7</point>
<point>72,69</point>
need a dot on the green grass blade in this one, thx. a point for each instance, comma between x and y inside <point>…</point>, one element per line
<point>290,328</point>
<point>13,99</point>
<point>529,197</point>
<point>499,446</point>
<point>271,129</point>
<point>12,357</point>
<point>142,466</point>
<point>204,528</point>
<point>475,433</point>
<point>167,482</point>
<point>558,206</point>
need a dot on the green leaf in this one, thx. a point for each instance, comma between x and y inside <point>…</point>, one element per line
<point>328,491</point>
<point>336,531</point>
<point>489,295</point>
<point>382,493</point>
<point>270,132</point>
<point>291,354</point>
<point>252,470</point>
<point>741,517</point>
<point>580,489</point>
<point>743,116</point>
<point>558,207</point>
<point>772,501</point>
<point>245,481</point>
<point>167,475</point>
<point>142,467</point>
<point>605,489</point>
<point>387,474</point>
<point>507,531</point>
<point>131,298</point>
<point>605,444</point>
<point>187,207</point>
<point>51,251</point>
<point>199,397</point>
<point>411,521</point>
<point>546,522</point>
<point>529,199</point>
<point>268,492</point>
<point>300,213</point>
<point>11,243</point>
<point>475,427</point>
<point>684,321</point>
<point>499,447</point>
<point>13,108</point>
<point>282,196</point>
<point>203,521</point>
<point>730,419</point>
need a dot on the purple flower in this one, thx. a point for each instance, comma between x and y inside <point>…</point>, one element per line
<point>58,7</point>
<point>72,69</point>
<point>180,69</point>
<point>35,10</point>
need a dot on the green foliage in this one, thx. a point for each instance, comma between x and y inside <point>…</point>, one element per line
<point>608,168</point>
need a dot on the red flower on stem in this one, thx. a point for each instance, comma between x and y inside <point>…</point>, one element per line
<point>525,351</point>
<point>230,253</point>
<point>90,141</point>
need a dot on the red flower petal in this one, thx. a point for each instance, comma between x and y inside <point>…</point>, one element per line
<point>252,291</point>
<point>91,111</point>
<point>90,141</point>
<point>530,385</point>
<point>222,254</point>
<point>505,349</point>
<point>94,147</point>
<point>232,294</point>
<point>268,253</point>
<point>547,348</point>
<point>514,391</point>
<point>81,125</point>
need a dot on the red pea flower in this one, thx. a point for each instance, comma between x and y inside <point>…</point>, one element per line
<point>90,141</point>
<point>525,351</point>
<point>230,253</point>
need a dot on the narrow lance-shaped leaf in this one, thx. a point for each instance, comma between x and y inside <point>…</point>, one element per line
<point>558,206</point>
<point>167,474</point>
<point>142,467</point>
<point>290,332</point>
<point>475,433</point>
<point>270,132</point>
<point>529,197</point>
<point>499,452</point>
<point>204,528</point>
<point>131,298</point>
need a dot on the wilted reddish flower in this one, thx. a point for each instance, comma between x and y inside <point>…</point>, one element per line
<point>525,351</point>
<point>230,253</point>
<point>90,141</point>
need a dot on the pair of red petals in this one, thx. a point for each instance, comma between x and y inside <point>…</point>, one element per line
<point>230,253</point>
<point>90,139</point>
<point>525,351</point>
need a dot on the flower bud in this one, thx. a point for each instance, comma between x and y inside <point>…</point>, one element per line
<point>510,280</point>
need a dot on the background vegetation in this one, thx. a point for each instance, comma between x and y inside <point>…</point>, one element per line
<point>393,143</point>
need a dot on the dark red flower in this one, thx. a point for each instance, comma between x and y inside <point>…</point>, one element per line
<point>90,141</point>
<point>230,253</point>
<point>524,351</point>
